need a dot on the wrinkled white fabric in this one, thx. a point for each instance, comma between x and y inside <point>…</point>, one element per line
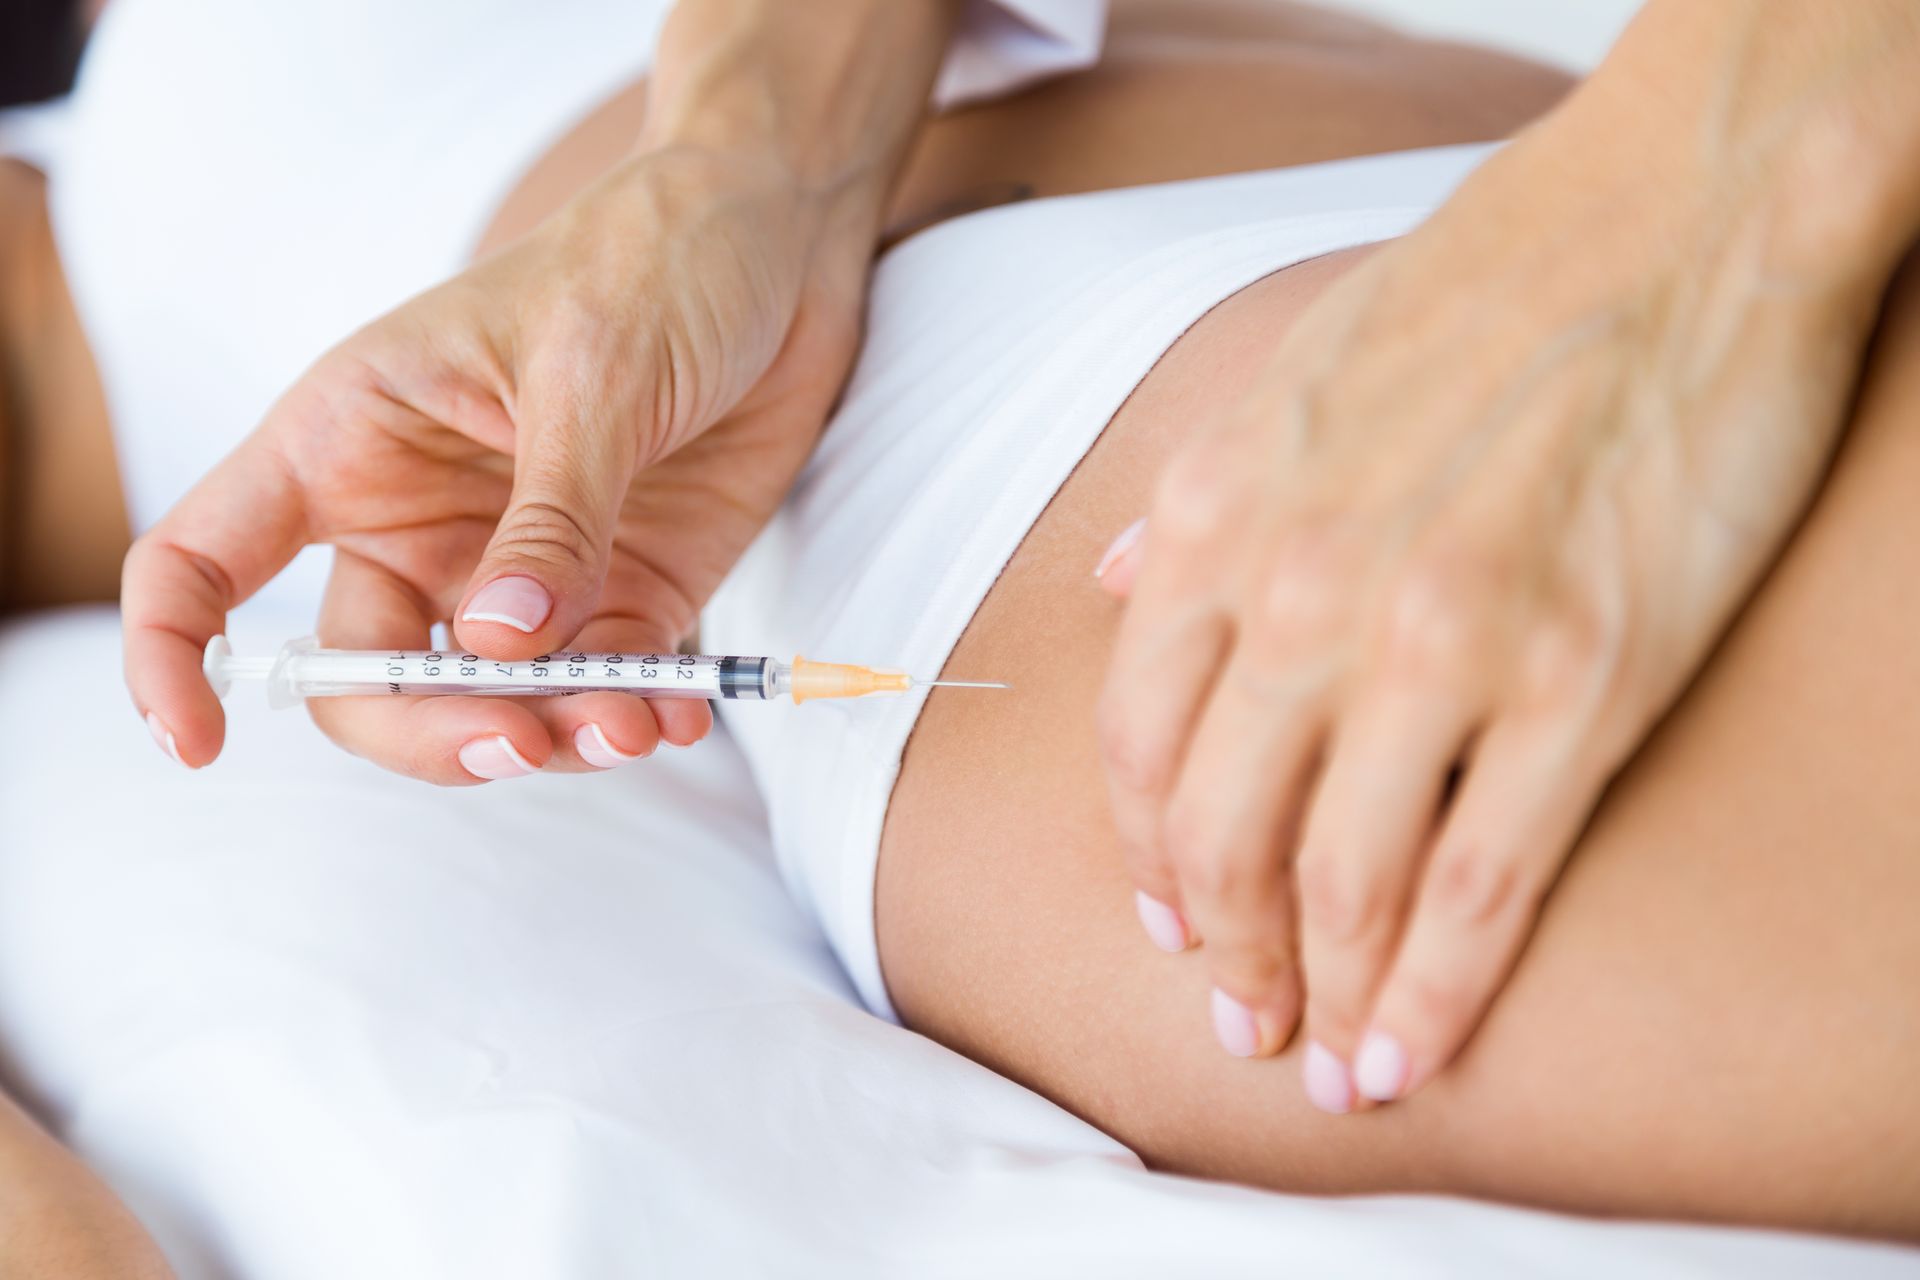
<point>1002,45</point>
<point>314,1021</point>
<point>241,185</point>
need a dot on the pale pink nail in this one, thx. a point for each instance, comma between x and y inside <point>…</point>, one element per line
<point>1380,1068</point>
<point>1233,1024</point>
<point>1120,546</point>
<point>520,603</point>
<point>592,745</point>
<point>1163,923</point>
<point>494,759</point>
<point>1329,1087</point>
<point>164,736</point>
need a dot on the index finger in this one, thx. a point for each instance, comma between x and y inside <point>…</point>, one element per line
<point>232,532</point>
<point>1173,639</point>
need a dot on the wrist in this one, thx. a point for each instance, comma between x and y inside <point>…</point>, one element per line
<point>670,196</point>
<point>830,93</point>
<point>1797,112</point>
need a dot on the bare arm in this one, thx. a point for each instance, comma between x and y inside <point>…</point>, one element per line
<point>833,93</point>
<point>1809,112</point>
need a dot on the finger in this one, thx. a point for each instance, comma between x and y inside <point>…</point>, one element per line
<point>540,579</point>
<point>598,731</point>
<point>604,730</point>
<point>1172,641</point>
<point>229,535</point>
<point>1230,830</point>
<point>451,741</point>
<point>1368,825</point>
<point>1118,568</point>
<point>1523,802</point>
<point>684,722</point>
<point>1120,564</point>
<point>593,732</point>
<point>1144,721</point>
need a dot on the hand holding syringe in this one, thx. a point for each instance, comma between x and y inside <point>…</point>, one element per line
<point>302,670</point>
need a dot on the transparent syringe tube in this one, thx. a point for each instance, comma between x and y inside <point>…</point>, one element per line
<point>302,670</point>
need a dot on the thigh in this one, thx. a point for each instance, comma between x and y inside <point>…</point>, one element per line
<point>1717,1017</point>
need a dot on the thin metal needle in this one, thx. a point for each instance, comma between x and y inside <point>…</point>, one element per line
<point>962,684</point>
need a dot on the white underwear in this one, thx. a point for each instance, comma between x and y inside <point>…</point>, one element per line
<point>999,346</point>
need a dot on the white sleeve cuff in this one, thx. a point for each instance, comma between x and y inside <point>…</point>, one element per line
<point>1003,45</point>
<point>32,134</point>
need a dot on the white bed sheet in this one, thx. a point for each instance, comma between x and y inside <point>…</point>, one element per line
<point>316,1021</point>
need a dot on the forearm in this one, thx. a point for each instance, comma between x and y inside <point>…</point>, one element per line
<point>831,92</point>
<point>1807,107</point>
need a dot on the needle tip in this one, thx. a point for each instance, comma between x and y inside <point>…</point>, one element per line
<point>963,684</point>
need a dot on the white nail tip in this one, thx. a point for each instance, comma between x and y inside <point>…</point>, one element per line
<point>504,619</point>
<point>164,736</point>
<point>506,745</point>
<point>1163,924</point>
<point>1380,1069</point>
<point>600,736</point>
<point>1120,546</point>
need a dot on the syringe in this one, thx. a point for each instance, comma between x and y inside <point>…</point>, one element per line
<point>303,670</point>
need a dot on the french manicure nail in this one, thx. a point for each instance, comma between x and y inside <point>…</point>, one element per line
<point>591,743</point>
<point>494,759</point>
<point>1380,1068</point>
<point>164,736</point>
<point>1329,1087</point>
<point>1120,546</point>
<point>520,603</point>
<point>1233,1024</point>
<point>1163,924</point>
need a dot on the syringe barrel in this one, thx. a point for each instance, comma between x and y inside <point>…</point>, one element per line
<point>302,671</point>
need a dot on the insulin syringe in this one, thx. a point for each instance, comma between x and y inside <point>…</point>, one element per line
<point>303,670</point>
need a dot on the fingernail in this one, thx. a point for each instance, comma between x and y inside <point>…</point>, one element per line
<point>494,759</point>
<point>1233,1024</point>
<point>1380,1068</point>
<point>520,603</point>
<point>1163,923</point>
<point>592,745</point>
<point>164,736</point>
<point>1120,546</point>
<point>1329,1087</point>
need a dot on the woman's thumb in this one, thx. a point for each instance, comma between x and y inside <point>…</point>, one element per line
<point>540,579</point>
